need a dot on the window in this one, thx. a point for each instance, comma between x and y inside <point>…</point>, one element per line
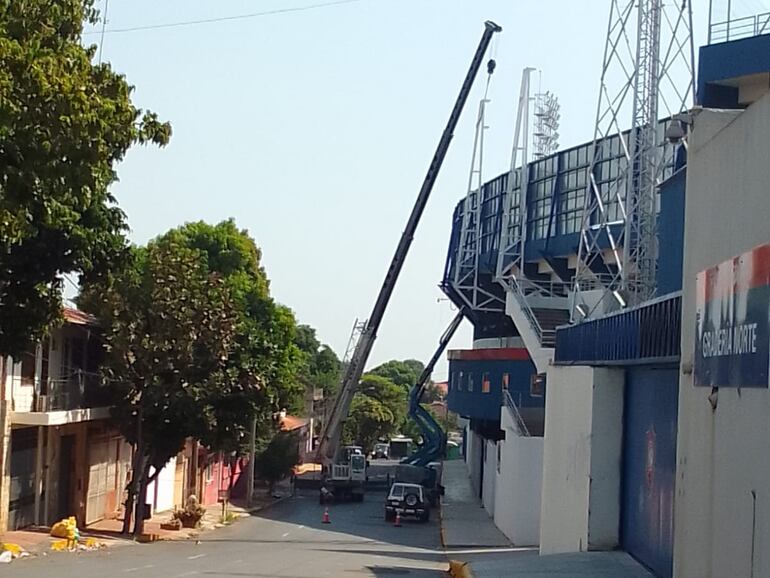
<point>470,381</point>
<point>44,368</point>
<point>209,470</point>
<point>460,382</point>
<point>499,455</point>
<point>28,369</point>
<point>536,385</point>
<point>505,381</point>
<point>397,491</point>
<point>485,383</point>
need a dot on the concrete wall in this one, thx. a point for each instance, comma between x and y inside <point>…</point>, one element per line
<point>519,485</point>
<point>473,459</point>
<point>581,460</point>
<point>161,492</point>
<point>606,452</point>
<point>722,507</point>
<point>490,476</point>
<point>23,395</point>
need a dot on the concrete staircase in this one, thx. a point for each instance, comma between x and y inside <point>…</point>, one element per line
<point>536,315</point>
<point>549,320</point>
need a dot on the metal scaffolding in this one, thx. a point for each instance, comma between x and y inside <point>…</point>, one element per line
<point>647,72</point>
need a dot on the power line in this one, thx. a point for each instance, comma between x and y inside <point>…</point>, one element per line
<point>223,18</point>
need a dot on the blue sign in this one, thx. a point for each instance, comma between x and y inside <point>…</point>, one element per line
<point>732,346</point>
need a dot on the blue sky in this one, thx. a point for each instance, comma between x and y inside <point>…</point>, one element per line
<point>314,131</point>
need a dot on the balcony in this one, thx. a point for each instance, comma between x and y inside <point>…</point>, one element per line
<point>82,397</point>
<point>642,334</point>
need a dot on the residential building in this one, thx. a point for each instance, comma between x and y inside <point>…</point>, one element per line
<point>60,455</point>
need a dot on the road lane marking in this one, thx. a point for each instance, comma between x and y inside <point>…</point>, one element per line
<point>196,557</point>
<point>285,534</point>
<point>139,568</point>
<point>193,573</point>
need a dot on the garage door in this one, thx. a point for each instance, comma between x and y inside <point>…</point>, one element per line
<point>98,480</point>
<point>649,467</point>
<point>22,499</point>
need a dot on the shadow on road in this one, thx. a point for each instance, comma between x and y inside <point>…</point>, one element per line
<point>355,528</point>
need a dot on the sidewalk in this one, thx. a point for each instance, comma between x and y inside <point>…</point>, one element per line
<point>470,535</point>
<point>107,532</point>
<point>464,521</point>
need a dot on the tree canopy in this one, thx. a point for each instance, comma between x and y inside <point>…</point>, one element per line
<point>195,345</point>
<point>377,412</point>
<point>168,327</point>
<point>264,346</point>
<point>319,365</point>
<point>404,373</point>
<point>278,459</point>
<point>65,121</point>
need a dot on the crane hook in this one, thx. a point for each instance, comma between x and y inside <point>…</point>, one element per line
<point>491,66</point>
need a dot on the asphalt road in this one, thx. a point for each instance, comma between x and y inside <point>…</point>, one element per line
<point>286,541</point>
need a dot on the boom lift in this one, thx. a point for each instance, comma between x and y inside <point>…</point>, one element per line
<point>339,469</point>
<point>415,469</point>
<point>434,439</point>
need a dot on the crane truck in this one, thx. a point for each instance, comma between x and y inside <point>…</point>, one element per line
<point>344,469</point>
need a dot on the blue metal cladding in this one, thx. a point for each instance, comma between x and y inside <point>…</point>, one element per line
<point>648,332</point>
<point>719,63</point>
<point>473,402</point>
<point>649,466</point>
<point>671,233</point>
<point>556,187</point>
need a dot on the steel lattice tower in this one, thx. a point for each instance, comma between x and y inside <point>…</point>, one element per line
<point>647,72</point>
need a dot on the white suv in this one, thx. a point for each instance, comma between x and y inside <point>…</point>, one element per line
<point>407,500</point>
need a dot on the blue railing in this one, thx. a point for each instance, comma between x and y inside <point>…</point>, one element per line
<point>648,332</point>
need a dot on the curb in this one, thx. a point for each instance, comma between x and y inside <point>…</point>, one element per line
<point>267,506</point>
<point>460,569</point>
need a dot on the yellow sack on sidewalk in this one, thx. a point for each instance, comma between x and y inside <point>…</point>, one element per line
<point>66,528</point>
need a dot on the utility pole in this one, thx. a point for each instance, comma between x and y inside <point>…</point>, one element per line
<point>252,459</point>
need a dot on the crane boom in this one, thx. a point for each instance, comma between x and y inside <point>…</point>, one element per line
<point>330,438</point>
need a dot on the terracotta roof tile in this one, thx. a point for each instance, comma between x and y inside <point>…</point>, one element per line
<point>77,317</point>
<point>291,423</point>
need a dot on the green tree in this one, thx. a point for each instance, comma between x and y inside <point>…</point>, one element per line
<point>404,373</point>
<point>368,421</point>
<point>319,367</point>
<point>278,458</point>
<point>377,411</point>
<point>169,327</point>
<point>65,122</point>
<point>265,338</point>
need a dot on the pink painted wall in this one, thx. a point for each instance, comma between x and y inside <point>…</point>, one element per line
<point>218,478</point>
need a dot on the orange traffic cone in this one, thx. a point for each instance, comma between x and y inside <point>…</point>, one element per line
<point>326,519</point>
<point>397,521</point>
